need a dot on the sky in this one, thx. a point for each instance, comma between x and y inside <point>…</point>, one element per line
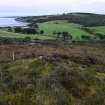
<point>44,7</point>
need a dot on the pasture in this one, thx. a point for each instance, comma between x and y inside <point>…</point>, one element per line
<point>4,33</point>
<point>52,27</point>
<point>99,29</point>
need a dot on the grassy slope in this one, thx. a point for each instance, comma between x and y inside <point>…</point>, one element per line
<point>99,29</point>
<point>73,29</point>
<point>4,33</point>
<point>56,26</point>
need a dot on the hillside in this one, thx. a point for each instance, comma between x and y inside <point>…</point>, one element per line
<point>85,19</point>
<point>73,23</point>
<point>51,28</point>
<point>52,74</point>
<point>99,29</point>
<point>6,34</point>
<point>79,26</point>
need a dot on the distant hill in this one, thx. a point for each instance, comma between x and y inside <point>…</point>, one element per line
<point>85,19</point>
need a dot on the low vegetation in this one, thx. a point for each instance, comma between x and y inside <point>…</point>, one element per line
<point>52,74</point>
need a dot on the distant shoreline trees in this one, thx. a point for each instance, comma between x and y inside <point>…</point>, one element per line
<point>25,30</point>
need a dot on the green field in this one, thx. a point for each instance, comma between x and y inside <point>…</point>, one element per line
<point>99,29</point>
<point>62,26</point>
<point>52,27</point>
<point>4,33</point>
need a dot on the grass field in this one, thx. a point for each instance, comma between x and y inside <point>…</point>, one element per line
<point>99,29</point>
<point>52,27</point>
<point>4,33</point>
<point>61,26</point>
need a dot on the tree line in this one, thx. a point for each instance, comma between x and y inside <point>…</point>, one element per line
<point>7,40</point>
<point>84,19</point>
<point>24,30</point>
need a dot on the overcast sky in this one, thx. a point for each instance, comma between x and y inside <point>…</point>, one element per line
<point>41,7</point>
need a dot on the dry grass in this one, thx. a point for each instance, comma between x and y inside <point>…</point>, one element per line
<point>78,53</point>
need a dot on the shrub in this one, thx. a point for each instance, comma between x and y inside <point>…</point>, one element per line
<point>85,37</point>
<point>27,39</point>
<point>42,32</point>
<point>18,29</point>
